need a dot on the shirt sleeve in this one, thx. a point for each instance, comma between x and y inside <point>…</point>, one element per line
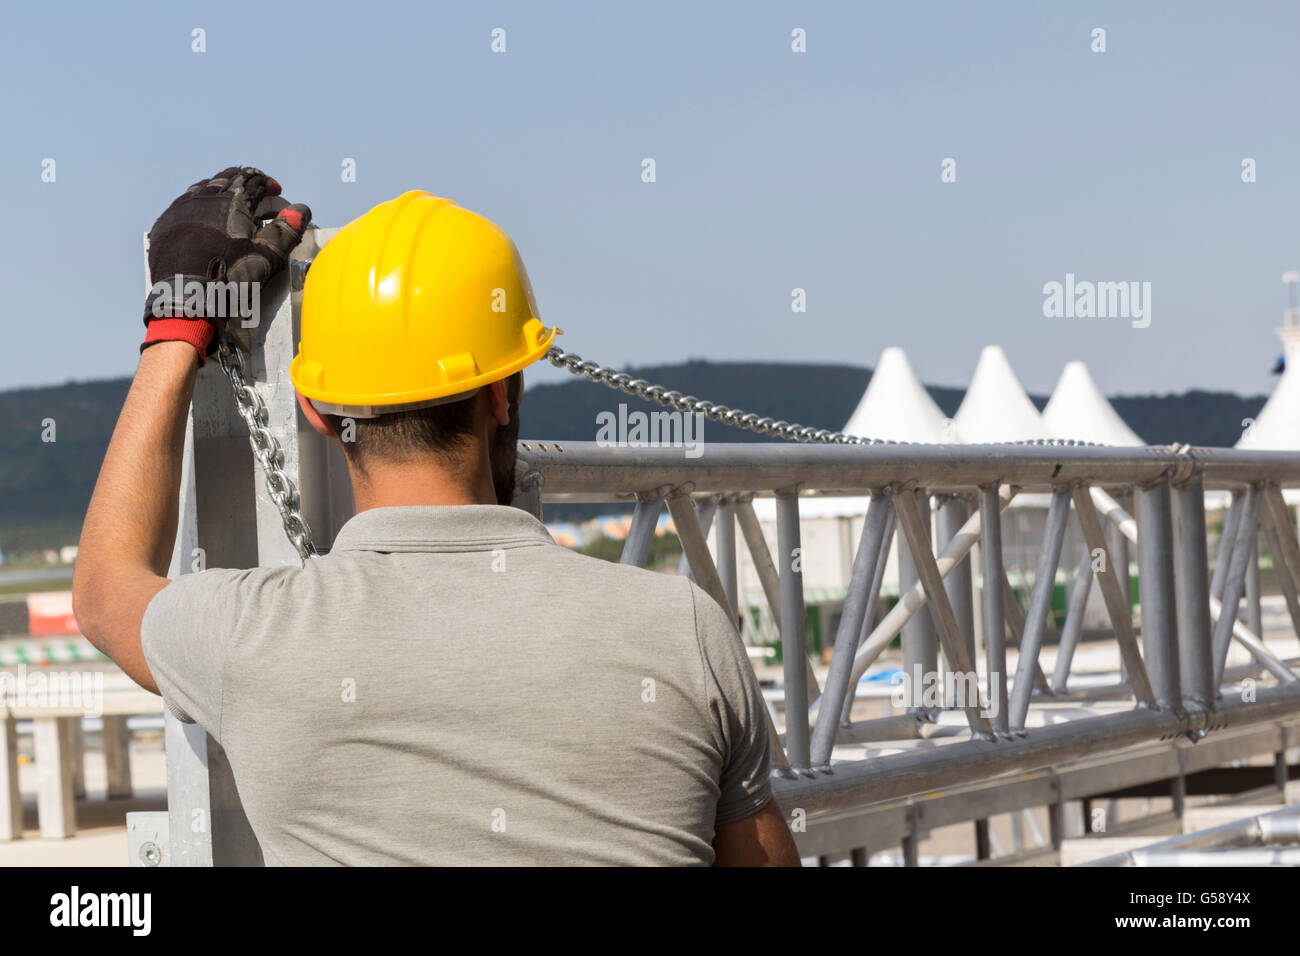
<point>185,635</point>
<point>739,710</point>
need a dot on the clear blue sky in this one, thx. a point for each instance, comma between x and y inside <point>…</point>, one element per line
<point>775,170</point>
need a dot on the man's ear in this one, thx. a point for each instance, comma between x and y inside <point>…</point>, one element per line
<point>498,403</point>
<point>314,418</point>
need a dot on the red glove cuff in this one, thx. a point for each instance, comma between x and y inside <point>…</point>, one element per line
<point>197,332</point>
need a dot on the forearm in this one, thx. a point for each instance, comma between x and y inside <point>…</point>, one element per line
<point>130,527</point>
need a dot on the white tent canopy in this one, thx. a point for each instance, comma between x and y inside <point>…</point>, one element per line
<point>894,407</point>
<point>1078,411</point>
<point>996,408</point>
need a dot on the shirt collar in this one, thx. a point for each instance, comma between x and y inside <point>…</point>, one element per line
<point>440,528</point>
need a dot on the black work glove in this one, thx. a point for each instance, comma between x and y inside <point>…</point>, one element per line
<point>211,234</point>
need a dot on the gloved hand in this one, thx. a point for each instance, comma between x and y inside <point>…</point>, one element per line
<point>211,234</point>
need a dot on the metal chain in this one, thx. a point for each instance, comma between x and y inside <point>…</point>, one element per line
<point>622,382</point>
<point>284,493</point>
<point>266,449</point>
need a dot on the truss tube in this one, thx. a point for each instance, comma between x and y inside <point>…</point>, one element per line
<point>794,650</point>
<point>856,603</point>
<point>1080,587</point>
<point>915,771</point>
<point>995,635</point>
<point>920,650</point>
<point>1040,600</point>
<point>1196,656</point>
<point>1156,592</point>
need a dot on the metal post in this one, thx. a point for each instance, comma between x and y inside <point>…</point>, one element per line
<point>1254,614</point>
<point>1195,650</point>
<point>1227,539</point>
<point>1282,545</point>
<point>696,550</point>
<point>1040,600</point>
<point>952,515</point>
<point>1234,580</point>
<point>724,539</point>
<point>912,520</point>
<point>793,642</point>
<point>920,649</point>
<point>995,638</point>
<point>1156,592</point>
<point>869,621</point>
<point>764,567</point>
<point>641,532</point>
<point>1086,501</point>
<point>856,602</point>
<point>1079,591</point>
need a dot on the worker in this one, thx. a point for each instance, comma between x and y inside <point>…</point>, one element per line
<point>446,685</point>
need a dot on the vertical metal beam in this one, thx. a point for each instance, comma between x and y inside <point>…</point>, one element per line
<point>1191,585</point>
<point>228,520</point>
<point>913,522</point>
<point>857,600</point>
<point>995,637</point>
<point>1254,613</point>
<point>953,514</point>
<point>1040,601</point>
<point>1080,588</point>
<point>696,550</point>
<point>1227,539</point>
<point>724,539</point>
<point>1086,502</point>
<point>794,650</point>
<point>1235,580</point>
<point>11,801</point>
<point>1156,593</point>
<point>641,532</point>
<point>920,650</point>
<point>1282,545</point>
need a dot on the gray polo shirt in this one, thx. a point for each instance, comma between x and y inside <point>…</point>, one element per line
<point>450,686</point>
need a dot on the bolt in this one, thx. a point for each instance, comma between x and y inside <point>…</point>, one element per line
<point>150,854</point>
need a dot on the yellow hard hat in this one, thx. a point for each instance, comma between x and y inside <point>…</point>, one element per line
<point>416,302</point>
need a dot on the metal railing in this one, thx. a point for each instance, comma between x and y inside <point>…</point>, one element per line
<point>1172,667</point>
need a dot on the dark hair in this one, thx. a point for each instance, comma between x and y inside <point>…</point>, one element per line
<point>440,431</point>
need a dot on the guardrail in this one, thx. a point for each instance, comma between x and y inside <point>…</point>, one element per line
<point>1172,674</point>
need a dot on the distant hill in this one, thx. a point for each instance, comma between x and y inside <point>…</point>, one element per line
<point>45,487</point>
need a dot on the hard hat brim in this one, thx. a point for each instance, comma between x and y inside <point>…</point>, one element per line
<point>380,401</point>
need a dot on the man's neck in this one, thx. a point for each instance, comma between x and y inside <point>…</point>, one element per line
<point>392,486</point>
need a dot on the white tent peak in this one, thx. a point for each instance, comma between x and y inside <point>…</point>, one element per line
<point>1079,411</point>
<point>996,408</point>
<point>896,406</point>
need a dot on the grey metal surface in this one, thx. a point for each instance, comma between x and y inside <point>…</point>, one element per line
<point>1156,593</point>
<point>1040,599</point>
<point>856,602</point>
<point>1196,653</point>
<point>793,638</point>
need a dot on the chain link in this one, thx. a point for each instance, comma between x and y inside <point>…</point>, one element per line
<point>622,382</point>
<point>266,449</point>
